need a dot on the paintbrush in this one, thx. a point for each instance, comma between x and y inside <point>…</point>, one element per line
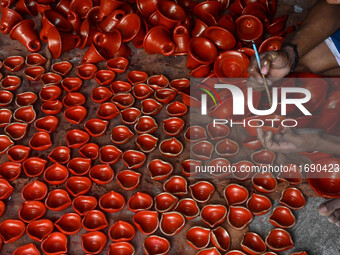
<point>264,78</point>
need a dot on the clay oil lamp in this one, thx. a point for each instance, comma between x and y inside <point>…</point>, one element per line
<point>34,191</point>
<point>50,93</point>
<point>198,237</point>
<point>188,208</point>
<point>107,111</point>
<point>101,174</point>
<point>14,131</point>
<point>176,109</point>
<point>173,126</point>
<point>158,81</point>
<point>104,77</point>
<point>165,202</point>
<point>5,117</point>
<point>150,107</point>
<point>293,176</point>
<point>167,14</point>
<point>78,185</point>
<point>96,127</point>
<point>282,217</point>
<point>100,95</point>
<point>54,19</point>
<point>129,26</point>
<point>272,43</point>
<point>34,166</point>
<point>264,182</point>
<point>299,253</point>
<point>86,71</point>
<point>235,252</point>
<point>146,221</point>
<point>202,191</point>
<point>142,91</point>
<point>75,114</point>
<point>10,82</point>
<point>50,79</point>
<point>69,223</point>
<point>47,124</point>
<point>71,84</point>
<point>76,138</point>
<point>179,84</point>
<point>34,73</point>
<point>201,51</point>
<point>165,95</point>
<point>221,163</point>
<point>181,38</point>
<point>202,150</point>
<point>239,217</point>
<point>60,154</point>
<point>111,202</point>
<point>148,125</point>
<point>82,204</point>
<point>252,243</point>
<point>38,230</point>
<point>259,204</point>
<point>94,220</point>
<point>195,134</point>
<point>159,169</point>
<point>146,142</point>
<point>279,240</point>
<point>24,114</point>
<point>73,99</point>
<point>209,251</point>
<point>227,148</point>
<point>56,174</point>
<point>6,97</point>
<point>9,19</point>
<point>118,64</point>
<point>156,245</point>
<point>221,37</point>
<point>11,230</point>
<point>121,231</point>
<point>171,223</point>
<point>35,59</point>
<point>57,200</point>
<point>133,159</point>
<point>52,107</point>
<point>235,194</point>
<point>213,214</point>
<point>189,166</point>
<point>217,132</point>
<point>90,151</point>
<point>252,143</point>
<point>258,10</point>
<point>130,116</point>
<point>293,198</point>
<point>27,249</point>
<point>16,153</point>
<point>220,238</point>
<point>136,77</point>
<point>231,64</point>
<point>124,248</point>
<point>158,41</point>
<point>176,185</point>
<point>121,134</point>
<point>140,201</point>
<point>109,154</point>
<point>6,189</point>
<point>123,100</point>
<point>93,242</point>
<point>10,170</point>
<point>249,28</point>
<point>55,243</point>
<point>247,51</point>
<point>207,11</point>
<point>128,179</point>
<point>40,141</point>
<point>146,8</point>
<point>25,99</point>
<point>277,26</point>
<point>14,63</point>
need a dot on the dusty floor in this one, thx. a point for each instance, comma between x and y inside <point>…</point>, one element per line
<point>311,233</point>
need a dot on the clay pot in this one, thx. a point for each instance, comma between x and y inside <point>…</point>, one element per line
<point>188,208</point>
<point>145,125</point>
<point>54,19</point>
<point>258,10</point>
<point>6,189</point>
<point>74,19</point>
<point>263,157</point>
<point>202,150</point>
<point>9,18</point>
<point>26,7</point>
<point>198,237</point>
<point>86,71</point>
<point>40,141</point>
<point>27,249</point>
<point>140,201</point>
<point>124,248</point>
<point>76,138</point>
<point>110,42</point>
<point>71,84</point>
<point>165,95</point>
<point>235,252</point>
<point>96,127</point>
<point>5,117</point>
<point>11,230</point>
<point>38,230</point>
<point>292,198</point>
<point>146,143</point>
<point>159,169</point>
<point>60,42</point>
<point>173,126</point>
<point>107,111</point>
<point>118,64</point>
<point>176,109</point>
<point>171,147</point>
<point>35,190</point>
<point>34,73</point>
<point>106,7</point>
<point>133,159</point>
<point>120,87</point>
<point>25,34</point>
<point>90,151</point>
<point>235,194</point>
<point>146,221</point>
<point>247,51</point>
<point>56,174</point>
<point>10,82</point>
<point>201,51</point>
<point>57,200</point>
<point>272,43</point>
<point>239,217</point>
<point>171,223</point>
<point>165,202</point>
<point>17,153</point>
<point>49,79</point>
<point>101,174</point>
<point>121,134</point>
<point>279,240</point>
<point>201,191</point>
<point>15,131</point>
<point>220,238</point>
<point>109,154</point>
<point>231,64</point>
<point>264,182</point>
<point>6,97</point>
<point>131,115</point>
<point>35,59</point>
<point>100,95</point>
<point>87,32</point>
<point>75,114</point>
<point>221,37</point>
<point>292,176</point>
<point>277,26</point>
<point>282,217</point>
<point>73,99</point>
<point>93,242</point>
<point>181,38</point>
<point>34,166</point>
<point>104,77</point>
<point>136,77</point>
<point>146,7</point>
<point>69,223</point>
<point>158,41</point>
<point>52,107</point>
<point>150,107</point>
<point>25,98</point>
<point>217,132</point>
<point>82,204</point>
<point>156,245</point>
<point>259,204</point>
<point>10,170</point>
<point>213,215</point>
<point>179,84</point>
<point>94,220</point>
<point>123,100</point>
<point>129,26</point>
<point>50,93</point>
<point>249,28</point>
<point>63,68</point>
<point>121,231</point>
<point>111,202</point>
<point>208,12</point>
<point>25,114</point>
<point>78,185</point>
<point>81,7</point>
<point>299,253</point>
<point>94,54</point>
<point>55,243</point>
<point>128,179</point>
<point>252,243</point>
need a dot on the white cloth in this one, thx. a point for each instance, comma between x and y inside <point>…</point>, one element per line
<point>333,49</point>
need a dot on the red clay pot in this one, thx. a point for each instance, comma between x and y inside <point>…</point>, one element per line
<point>181,38</point>
<point>60,42</point>
<point>6,189</point>
<point>48,79</point>
<point>33,73</point>
<point>213,215</point>
<point>86,71</point>
<point>94,220</point>
<point>63,68</point>
<point>123,100</point>
<point>156,245</point>
<point>100,95</point>
<point>235,252</point>
<point>38,230</point>
<point>9,18</point>
<point>146,143</point>
<point>252,243</point>
<point>201,51</point>
<point>17,153</point>
<point>74,19</point>
<point>239,217</point>
<point>128,179</point>
<point>90,151</point>
<point>121,134</point>
<point>81,7</point>
<point>264,182</point>
<point>101,174</point>
<point>121,231</point>
<point>93,242</point>
<point>220,238</point>
<point>51,19</point>
<point>31,211</point>
<point>94,54</point>
<point>6,97</point>
<point>158,41</point>
<point>252,143</point>
<point>235,194</point>
<point>10,170</point>
<point>173,126</point>
<point>159,169</point>
<point>133,159</point>
<point>292,176</point>
<point>35,59</point>
<point>150,107</point>
<point>178,84</point>
<point>188,208</point>
<point>82,204</point>
<point>171,223</point>
<point>40,141</point>
<point>118,64</point>
<point>25,114</point>
<point>201,191</point>
<point>282,217</point>
<point>292,198</point>
<point>258,10</point>
<point>259,204</point>
<point>55,243</point>
<point>71,84</point>
<point>221,37</point>
<point>129,26</point>
<point>5,117</point>
<point>208,12</point>
<point>111,202</point>
<point>140,201</point>
<point>15,131</point>
<point>165,202</point>
<point>25,98</point>
<point>52,107</point>
<point>104,77</point>
<point>272,43</point>
<point>73,99</point>
<point>50,93</point>
<point>26,7</point>
<point>87,32</point>
<point>188,167</point>
<point>145,125</point>
<point>279,240</point>
<point>124,248</point>
<point>249,28</point>
<point>34,166</point>
<point>60,154</point>
<point>198,237</point>
<point>96,127</point>
<point>217,131</point>
<point>171,147</point>
<point>146,221</point>
<point>10,82</point>
<point>27,249</point>
<point>165,95</point>
<point>131,115</point>
<point>231,64</point>
<point>106,7</point>
<point>120,87</point>
<point>109,154</point>
<point>176,109</point>
<point>75,114</point>
<point>35,190</point>
<point>110,42</point>
<point>277,26</point>
<point>146,7</point>
<point>11,230</point>
<point>76,138</point>
<point>56,174</point>
<point>78,185</point>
